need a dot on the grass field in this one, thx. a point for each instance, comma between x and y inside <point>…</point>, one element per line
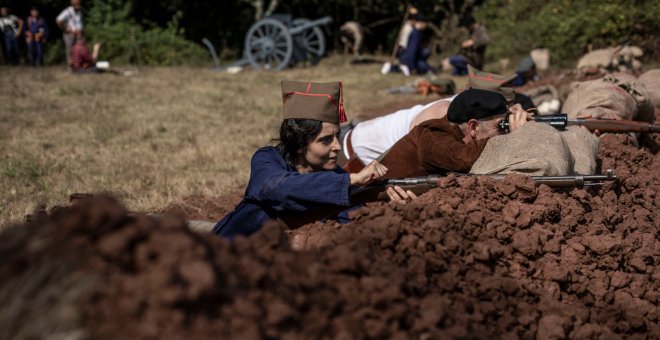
<point>152,138</point>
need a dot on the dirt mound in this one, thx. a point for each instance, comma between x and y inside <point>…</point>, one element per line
<point>474,258</point>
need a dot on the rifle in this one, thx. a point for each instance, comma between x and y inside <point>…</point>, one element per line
<point>560,121</point>
<point>419,185</point>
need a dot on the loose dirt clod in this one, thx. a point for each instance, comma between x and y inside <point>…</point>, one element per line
<point>474,258</point>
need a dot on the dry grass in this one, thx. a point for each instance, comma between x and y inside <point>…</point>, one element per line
<point>152,138</point>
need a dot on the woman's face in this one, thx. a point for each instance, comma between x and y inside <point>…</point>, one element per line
<point>322,152</point>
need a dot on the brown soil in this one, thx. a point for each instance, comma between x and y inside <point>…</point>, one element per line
<point>206,208</point>
<point>474,258</point>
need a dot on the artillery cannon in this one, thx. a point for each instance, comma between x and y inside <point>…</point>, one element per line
<point>275,42</point>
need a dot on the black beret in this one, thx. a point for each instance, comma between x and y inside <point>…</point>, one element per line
<point>524,101</point>
<point>476,104</point>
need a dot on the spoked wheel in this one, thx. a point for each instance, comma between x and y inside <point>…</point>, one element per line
<point>268,45</point>
<point>311,41</point>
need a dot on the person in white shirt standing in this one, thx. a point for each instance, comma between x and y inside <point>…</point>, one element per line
<point>11,27</point>
<point>70,22</point>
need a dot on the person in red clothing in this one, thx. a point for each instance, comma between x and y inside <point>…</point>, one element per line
<point>81,60</point>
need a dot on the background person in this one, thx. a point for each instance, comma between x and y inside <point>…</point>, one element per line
<point>415,56</point>
<point>11,27</point>
<point>81,60</point>
<point>300,174</point>
<point>70,21</point>
<point>473,50</point>
<point>36,34</point>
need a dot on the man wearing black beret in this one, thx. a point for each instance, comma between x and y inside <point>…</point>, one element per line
<point>453,143</point>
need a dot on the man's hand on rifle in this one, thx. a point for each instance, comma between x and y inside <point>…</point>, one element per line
<point>397,194</point>
<point>518,117</point>
<point>370,173</point>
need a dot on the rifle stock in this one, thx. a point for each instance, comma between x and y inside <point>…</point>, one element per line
<point>616,126</point>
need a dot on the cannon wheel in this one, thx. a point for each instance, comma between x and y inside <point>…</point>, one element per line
<point>268,45</point>
<point>312,40</point>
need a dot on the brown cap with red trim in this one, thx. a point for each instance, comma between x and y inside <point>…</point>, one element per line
<point>491,82</point>
<point>318,101</point>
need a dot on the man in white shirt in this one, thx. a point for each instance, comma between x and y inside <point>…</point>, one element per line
<point>70,22</point>
<point>11,27</point>
<point>371,138</point>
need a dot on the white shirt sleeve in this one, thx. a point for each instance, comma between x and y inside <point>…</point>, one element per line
<point>64,16</point>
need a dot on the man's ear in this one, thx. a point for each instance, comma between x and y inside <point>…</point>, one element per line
<point>472,128</point>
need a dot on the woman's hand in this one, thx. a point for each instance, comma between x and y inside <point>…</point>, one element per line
<point>367,175</point>
<point>397,194</point>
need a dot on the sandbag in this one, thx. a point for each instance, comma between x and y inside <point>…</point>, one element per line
<point>599,99</point>
<point>534,149</point>
<point>612,58</point>
<point>583,146</point>
<point>645,110</point>
<point>651,81</point>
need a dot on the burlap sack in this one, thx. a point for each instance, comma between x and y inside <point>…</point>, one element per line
<point>601,58</point>
<point>600,99</point>
<point>534,149</point>
<point>651,81</point>
<point>583,146</point>
<point>645,110</point>
<point>611,58</point>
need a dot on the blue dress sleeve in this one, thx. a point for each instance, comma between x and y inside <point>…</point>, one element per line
<point>272,183</point>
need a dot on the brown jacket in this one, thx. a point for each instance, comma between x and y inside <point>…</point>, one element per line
<point>435,146</point>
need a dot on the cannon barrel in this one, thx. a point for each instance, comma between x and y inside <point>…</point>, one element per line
<point>318,22</point>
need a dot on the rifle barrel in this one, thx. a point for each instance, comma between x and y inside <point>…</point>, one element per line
<point>615,126</point>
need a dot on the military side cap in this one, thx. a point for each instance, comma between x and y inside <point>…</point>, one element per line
<point>476,104</point>
<point>491,82</point>
<point>318,101</point>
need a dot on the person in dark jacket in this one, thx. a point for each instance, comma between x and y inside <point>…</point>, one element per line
<point>36,34</point>
<point>415,56</point>
<point>300,175</point>
<point>473,49</point>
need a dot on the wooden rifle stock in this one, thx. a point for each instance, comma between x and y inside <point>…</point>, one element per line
<point>616,126</point>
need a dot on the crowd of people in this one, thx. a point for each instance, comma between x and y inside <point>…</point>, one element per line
<point>34,31</point>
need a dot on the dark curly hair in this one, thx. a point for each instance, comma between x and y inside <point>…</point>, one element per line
<point>295,134</point>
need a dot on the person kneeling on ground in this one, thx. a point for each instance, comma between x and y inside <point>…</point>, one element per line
<point>415,56</point>
<point>453,143</point>
<point>81,60</point>
<point>300,175</point>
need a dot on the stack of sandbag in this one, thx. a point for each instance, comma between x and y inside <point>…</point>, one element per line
<point>651,81</point>
<point>624,59</point>
<point>538,149</point>
<point>614,96</point>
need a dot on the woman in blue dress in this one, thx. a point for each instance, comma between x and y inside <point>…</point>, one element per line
<point>300,176</point>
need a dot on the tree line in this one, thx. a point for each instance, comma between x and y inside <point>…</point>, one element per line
<point>168,32</point>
